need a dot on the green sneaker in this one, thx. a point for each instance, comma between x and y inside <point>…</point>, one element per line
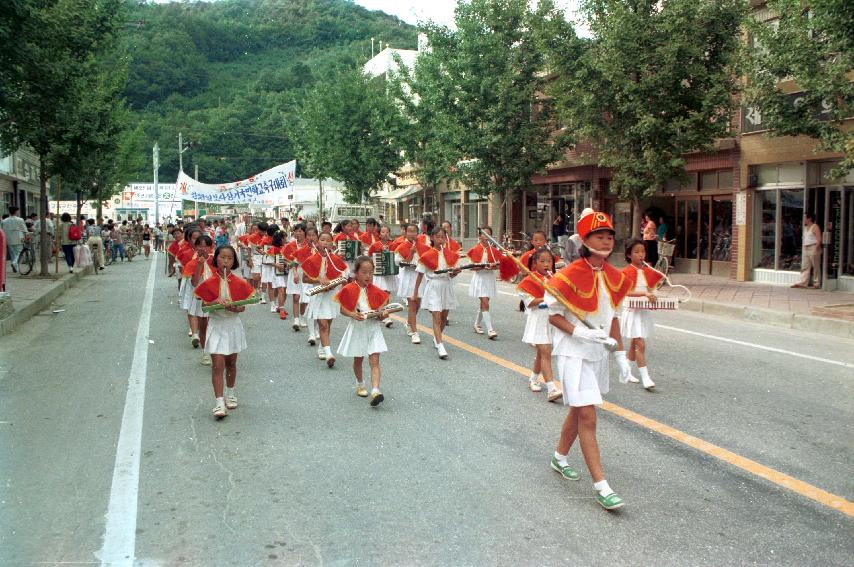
<point>610,502</point>
<point>565,470</point>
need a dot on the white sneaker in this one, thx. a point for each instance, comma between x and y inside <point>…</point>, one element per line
<point>303,323</point>
<point>647,382</point>
<point>478,329</point>
<point>263,300</point>
<point>416,339</point>
<point>632,379</point>
<point>196,340</point>
<point>206,360</point>
<point>388,322</point>
<point>273,308</point>
<point>443,354</point>
<point>312,340</point>
<point>535,385</point>
<point>231,401</point>
<point>321,353</point>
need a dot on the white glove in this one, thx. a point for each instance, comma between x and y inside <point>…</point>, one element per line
<point>598,336</point>
<point>623,363</point>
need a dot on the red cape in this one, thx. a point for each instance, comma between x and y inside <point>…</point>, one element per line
<point>579,284</point>
<point>209,291</point>
<point>335,266</point>
<point>653,276</point>
<point>348,296</point>
<point>188,269</point>
<point>507,268</point>
<point>368,238</point>
<point>533,286</point>
<point>406,249</point>
<point>344,236</point>
<point>430,258</point>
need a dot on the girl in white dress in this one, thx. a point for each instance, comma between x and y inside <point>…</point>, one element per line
<point>538,331</point>
<point>267,270</point>
<point>200,268</point>
<point>294,286</point>
<point>484,282</point>
<point>637,324</point>
<point>363,336</point>
<point>320,268</point>
<point>302,254</point>
<point>406,255</point>
<point>226,336</point>
<point>278,283</point>
<point>438,297</point>
<point>385,283</point>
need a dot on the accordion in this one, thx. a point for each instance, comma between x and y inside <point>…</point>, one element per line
<point>279,260</point>
<point>267,259</point>
<point>349,249</point>
<point>384,264</point>
<point>661,303</point>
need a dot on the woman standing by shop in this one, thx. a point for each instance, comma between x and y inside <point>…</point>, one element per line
<point>66,242</point>
<point>650,239</point>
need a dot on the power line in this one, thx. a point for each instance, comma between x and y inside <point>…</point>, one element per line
<point>239,133</point>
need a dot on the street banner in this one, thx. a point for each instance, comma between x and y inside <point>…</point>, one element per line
<point>266,187</point>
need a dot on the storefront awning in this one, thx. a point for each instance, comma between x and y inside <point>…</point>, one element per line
<point>401,193</point>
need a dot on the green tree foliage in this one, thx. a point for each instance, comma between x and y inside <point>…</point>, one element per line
<point>229,74</point>
<point>654,83</point>
<point>473,100</point>
<point>55,84</point>
<point>815,48</point>
<point>349,130</point>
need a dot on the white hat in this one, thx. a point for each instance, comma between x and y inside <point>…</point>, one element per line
<point>585,212</point>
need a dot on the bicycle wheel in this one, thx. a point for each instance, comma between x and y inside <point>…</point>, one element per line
<point>108,256</point>
<point>25,262</point>
<point>663,265</point>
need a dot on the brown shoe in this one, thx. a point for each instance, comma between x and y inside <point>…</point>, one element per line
<point>797,285</point>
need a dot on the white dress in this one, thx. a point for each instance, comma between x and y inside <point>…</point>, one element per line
<point>256,263</point>
<point>322,305</point>
<point>582,367</point>
<point>186,292</point>
<point>484,283</point>
<point>438,294</point>
<point>386,283</point>
<point>406,278</point>
<point>294,288</point>
<point>637,323</point>
<point>538,330</point>
<point>362,338</point>
<point>267,273</point>
<point>225,333</point>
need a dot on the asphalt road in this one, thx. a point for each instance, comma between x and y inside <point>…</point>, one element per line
<point>452,469</point>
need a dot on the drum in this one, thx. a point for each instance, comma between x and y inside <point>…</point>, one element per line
<point>286,266</point>
<point>350,249</point>
<point>384,264</point>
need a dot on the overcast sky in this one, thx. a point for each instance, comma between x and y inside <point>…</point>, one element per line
<point>442,11</point>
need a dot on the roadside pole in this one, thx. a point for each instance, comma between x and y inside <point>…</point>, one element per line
<point>56,228</point>
<point>155,154</point>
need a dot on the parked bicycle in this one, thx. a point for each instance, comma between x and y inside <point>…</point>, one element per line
<point>27,258</point>
<point>108,252</point>
<point>131,250</point>
<point>666,248</point>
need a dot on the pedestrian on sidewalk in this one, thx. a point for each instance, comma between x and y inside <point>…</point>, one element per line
<point>95,243</point>
<point>650,238</point>
<point>146,240</point>
<point>65,241</point>
<point>582,337</point>
<point>15,229</point>
<point>811,255</point>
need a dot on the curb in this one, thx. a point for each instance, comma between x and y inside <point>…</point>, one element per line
<point>19,317</point>
<point>822,325</point>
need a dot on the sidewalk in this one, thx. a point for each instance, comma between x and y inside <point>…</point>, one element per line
<point>825,312</point>
<point>32,294</point>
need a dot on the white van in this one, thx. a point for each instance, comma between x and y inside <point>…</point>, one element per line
<point>359,212</point>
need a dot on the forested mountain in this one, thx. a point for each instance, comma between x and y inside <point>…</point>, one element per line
<point>227,74</point>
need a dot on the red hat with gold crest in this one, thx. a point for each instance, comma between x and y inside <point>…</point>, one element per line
<point>593,222</point>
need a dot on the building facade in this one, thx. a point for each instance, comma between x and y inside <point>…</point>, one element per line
<point>20,181</point>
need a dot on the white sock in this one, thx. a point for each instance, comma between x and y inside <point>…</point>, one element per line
<point>602,487</point>
<point>220,401</point>
<point>487,320</point>
<point>534,376</point>
<point>644,372</point>
<point>328,350</point>
<point>477,319</point>
<point>229,392</point>
<point>561,459</point>
<point>375,390</point>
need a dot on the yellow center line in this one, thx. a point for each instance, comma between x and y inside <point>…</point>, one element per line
<point>780,479</point>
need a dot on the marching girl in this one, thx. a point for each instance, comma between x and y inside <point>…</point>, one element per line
<point>255,239</point>
<point>538,331</point>
<point>226,336</point>
<point>245,253</point>
<point>385,283</point>
<point>348,232</point>
<point>302,254</point>
<point>636,324</point>
<point>406,255</point>
<point>320,268</point>
<point>267,270</point>
<point>538,240</point>
<point>199,270</point>
<point>438,297</point>
<point>364,337</point>
<point>279,283</point>
<point>483,284</point>
<point>453,244</point>
<point>371,234</point>
<point>185,291</point>
<point>586,326</point>
<point>172,252</point>
<point>294,285</point>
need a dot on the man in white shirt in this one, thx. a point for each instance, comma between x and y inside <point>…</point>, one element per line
<point>15,229</point>
<point>811,256</point>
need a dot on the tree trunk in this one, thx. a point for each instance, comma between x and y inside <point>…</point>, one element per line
<point>501,216</point>
<point>79,205</point>
<point>100,215</point>
<point>636,232</point>
<point>44,249</point>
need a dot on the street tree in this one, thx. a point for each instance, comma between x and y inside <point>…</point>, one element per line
<point>813,46</point>
<point>474,100</point>
<point>55,65</point>
<point>349,129</point>
<point>654,83</point>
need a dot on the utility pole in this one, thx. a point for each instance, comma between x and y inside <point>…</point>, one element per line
<point>196,203</point>
<point>155,154</point>
<point>372,48</point>
<point>320,183</point>
<point>180,151</point>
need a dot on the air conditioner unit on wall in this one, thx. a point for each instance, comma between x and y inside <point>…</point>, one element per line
<point>753,180</point>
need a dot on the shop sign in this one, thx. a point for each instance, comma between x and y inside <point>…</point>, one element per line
<point>752,119</point>
<point>741,209</point>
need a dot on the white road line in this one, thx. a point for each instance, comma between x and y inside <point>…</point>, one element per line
<point>733,341</point>
<point>120,531</point>
<point>754,345</point>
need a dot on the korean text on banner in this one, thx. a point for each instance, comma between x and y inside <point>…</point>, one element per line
<point>271,185</point>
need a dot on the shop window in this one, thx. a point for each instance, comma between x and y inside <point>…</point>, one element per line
<point>779,221</point>
<point>725,179</point>
<point>708,180</point>
<point>848,222</point>
<point>676,184</point>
